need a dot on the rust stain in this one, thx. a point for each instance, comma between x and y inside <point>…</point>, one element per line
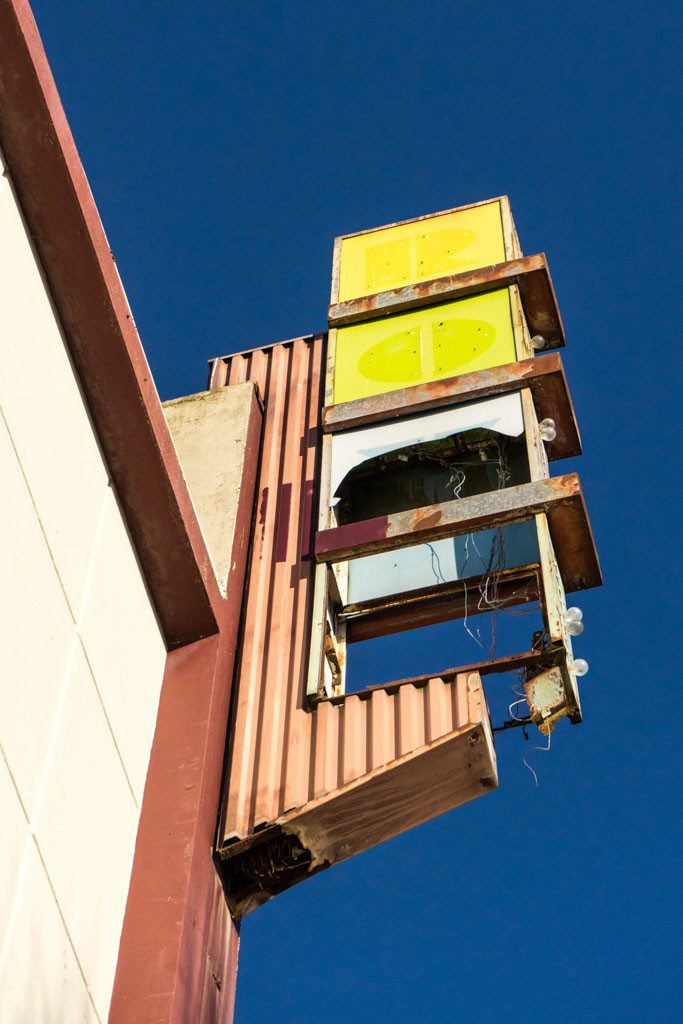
<point>426,519</point>
<point>284,510</point>
<point>263,505</point>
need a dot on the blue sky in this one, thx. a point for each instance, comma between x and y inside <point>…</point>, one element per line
<point>226,145</point>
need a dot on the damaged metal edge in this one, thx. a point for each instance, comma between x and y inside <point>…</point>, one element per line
<point>544,374</point>
<point>530,273</point>
<point>560,497</point>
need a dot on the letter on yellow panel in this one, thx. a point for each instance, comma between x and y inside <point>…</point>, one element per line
<point>423,345</point>
<point>449,243</point>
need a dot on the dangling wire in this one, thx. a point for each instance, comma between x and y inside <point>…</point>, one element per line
<point>514,704</point>
<point>477,639</point>
<point>545,749</point>
<point>436,565</point>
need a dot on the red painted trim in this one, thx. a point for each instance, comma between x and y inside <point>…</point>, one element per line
<point>178,955</point>
<point>100,333</point>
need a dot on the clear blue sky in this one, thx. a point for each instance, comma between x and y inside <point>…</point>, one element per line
<point>226,145</point>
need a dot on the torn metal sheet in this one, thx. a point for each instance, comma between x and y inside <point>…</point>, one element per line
<point>502,414</point>
<point>382,762</point>
<point>442,561</point>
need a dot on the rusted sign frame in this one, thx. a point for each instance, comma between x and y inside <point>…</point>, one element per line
<point>537,455</point>
<point>544,375</point>
<point>554,610</point>
<point>440,603</point>
<point>528,660</point>
<point>560,497</point>
<point>529,273</point>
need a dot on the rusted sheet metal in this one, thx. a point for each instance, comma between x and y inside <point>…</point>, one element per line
<point>271,739</point>
<point>544,375</point>
<point>287,757</point>
<point>529,273</point>
<point>528,660</point>
<point>560,498</point>
<point>429,750</point>
<point>413,609</point>
<point>382,761</point>
<point>269,761</point>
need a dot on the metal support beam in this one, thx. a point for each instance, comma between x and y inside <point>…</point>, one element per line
<point>544,375</point>
<point>560,498</point>
<point>529,273</point>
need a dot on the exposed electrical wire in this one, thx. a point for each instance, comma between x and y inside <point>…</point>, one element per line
<point>545,749</point>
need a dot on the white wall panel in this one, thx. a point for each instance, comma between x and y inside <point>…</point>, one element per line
<point>15,836</point>
<point>41,982</point>
<point>43,406</point>
<point>36,630</point>
<point>87,795</point>
<point>124,645</point>
<point>81,665</point>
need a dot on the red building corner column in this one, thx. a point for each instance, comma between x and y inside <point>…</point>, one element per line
<point>177,935</point>
<point>178,955</point>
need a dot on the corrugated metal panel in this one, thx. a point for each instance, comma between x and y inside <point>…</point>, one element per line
<point>284,755</point>
<point>270,761</point>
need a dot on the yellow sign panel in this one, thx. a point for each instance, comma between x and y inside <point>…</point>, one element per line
<point>426,344</point>
<point>448,243</point>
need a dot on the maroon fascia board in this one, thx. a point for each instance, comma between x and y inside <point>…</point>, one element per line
<point>67,233</point>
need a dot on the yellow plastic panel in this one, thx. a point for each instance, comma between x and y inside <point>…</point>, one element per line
<point>426,344</point>
<point>420,251</point>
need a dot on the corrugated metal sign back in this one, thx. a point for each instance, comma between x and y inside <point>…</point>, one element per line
<point>282,755</point>
<point>270,760</point>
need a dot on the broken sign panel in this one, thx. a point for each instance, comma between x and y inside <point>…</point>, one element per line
<point>501,415</point>
<point>469,556</point>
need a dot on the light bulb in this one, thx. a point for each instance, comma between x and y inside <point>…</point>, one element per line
<point>538,342</point>
<point>579,666</point>
<point>575,628</point>
<point>573,614</point>
<point>546,429</point>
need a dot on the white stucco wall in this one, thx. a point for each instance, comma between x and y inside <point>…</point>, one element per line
<point>81,665</point>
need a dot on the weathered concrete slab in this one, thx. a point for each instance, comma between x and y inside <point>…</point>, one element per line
<point>209,431</point>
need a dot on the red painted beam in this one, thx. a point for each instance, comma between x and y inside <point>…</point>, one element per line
<point>178,956</point>
<point>100,333</point>
<point>559,497</point>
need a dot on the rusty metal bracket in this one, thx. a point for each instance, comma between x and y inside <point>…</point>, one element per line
<point>544,375</point>
<point>529,273</point>
<point>559,497</point>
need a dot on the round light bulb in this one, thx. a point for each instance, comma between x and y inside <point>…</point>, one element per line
<point>575,628</point>
<point>538,342</point>
<point>573,614</point>
<point>579,666</point>
<point>546,429</point>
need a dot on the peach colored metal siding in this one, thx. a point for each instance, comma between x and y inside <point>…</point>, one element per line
<point>273,736</point>
<point>283,756</point>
